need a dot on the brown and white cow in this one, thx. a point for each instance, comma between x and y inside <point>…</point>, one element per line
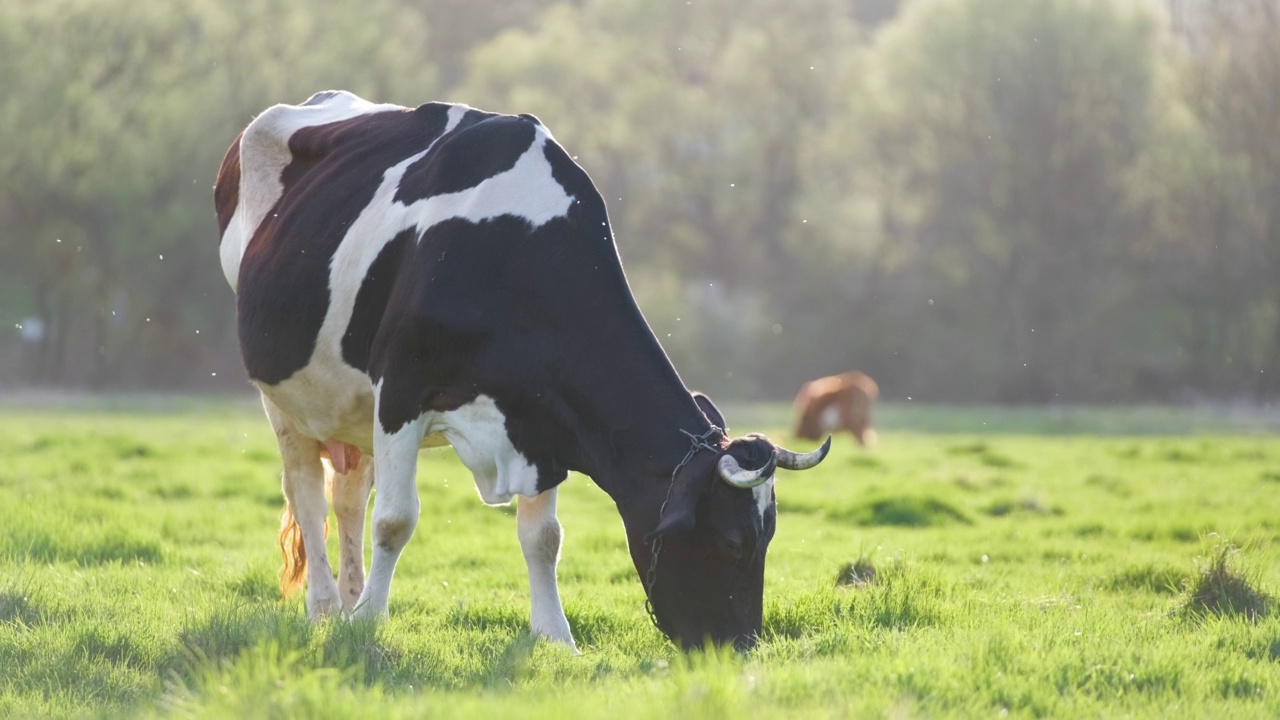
<point>837,402</point>
<point>412,277</point>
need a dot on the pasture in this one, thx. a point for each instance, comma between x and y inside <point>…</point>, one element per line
<point>1026,563</point>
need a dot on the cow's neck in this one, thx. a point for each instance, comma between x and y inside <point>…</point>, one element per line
<point>631,412</point>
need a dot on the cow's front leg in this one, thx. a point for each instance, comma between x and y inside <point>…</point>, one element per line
<point>539,533</point>
<point>395,509</point>
<point>350,502</point>
<point>305,515</point>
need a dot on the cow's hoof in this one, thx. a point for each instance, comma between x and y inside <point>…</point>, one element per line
<point>322,606</point>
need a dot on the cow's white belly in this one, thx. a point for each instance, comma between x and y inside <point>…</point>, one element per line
<point>328,401</point>
<point>334,401</point>
<point>478,432</point>
<point>830,419</point>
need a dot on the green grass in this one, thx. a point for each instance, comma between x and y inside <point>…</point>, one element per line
<point>1084,567</point>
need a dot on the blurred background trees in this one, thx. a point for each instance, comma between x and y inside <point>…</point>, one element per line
<point>972,200</point>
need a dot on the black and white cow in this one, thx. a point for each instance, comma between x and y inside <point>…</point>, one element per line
<point>407,278</point>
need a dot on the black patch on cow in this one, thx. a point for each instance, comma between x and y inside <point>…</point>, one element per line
<point>481,147</point>
<point>283,290</point>
<point>371,300</point>
<point>476,314</point>
<point>449,306</point>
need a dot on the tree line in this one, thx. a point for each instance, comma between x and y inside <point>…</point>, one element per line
<point>971,200</point>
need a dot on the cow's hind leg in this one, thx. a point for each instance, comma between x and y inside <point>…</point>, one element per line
<point>305,516</point>
<point>395,508</point>
<point>350,502</point>
<point>539,533</point>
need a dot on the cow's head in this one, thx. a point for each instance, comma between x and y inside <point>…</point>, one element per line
<point>712,533</point>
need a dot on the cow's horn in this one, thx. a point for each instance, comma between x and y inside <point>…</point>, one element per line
<point>733,473</point>
<point>801,461</point>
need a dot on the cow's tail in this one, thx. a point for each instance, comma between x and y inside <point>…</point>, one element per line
<point>292,549</point>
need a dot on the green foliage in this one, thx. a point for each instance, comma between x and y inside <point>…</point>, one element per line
<point>972,200</point>
<point>1065,614</point>
<point>1008,133</point>
<point>115,119</point>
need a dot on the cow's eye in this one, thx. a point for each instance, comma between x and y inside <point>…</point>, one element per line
<point>732,546</point>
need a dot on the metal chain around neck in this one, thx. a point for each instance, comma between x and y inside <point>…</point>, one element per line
<point>696,443</point>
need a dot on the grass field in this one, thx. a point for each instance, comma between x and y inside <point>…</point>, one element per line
<point>1030,563</point>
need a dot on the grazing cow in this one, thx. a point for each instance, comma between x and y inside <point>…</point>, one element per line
<point>409,278</point>
<point>838,402</point>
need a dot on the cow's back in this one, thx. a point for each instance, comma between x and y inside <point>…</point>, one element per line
<point>338,217</point>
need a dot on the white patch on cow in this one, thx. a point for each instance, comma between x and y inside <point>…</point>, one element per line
<point>478,432</point>
<point>455,115</point>
<point>328,400</point>
<point>830,419</point>
<point>231,249</point>
<point>528,190</point>
<point>266,144</point>
<point>763,493</point>
<point>395,510</point>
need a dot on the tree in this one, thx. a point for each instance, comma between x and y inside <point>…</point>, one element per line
<point>110,147</point>
<point>1010,132</point>
<point>1232,84</point>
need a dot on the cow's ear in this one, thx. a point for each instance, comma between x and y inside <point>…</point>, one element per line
<point>674,520</point>
<point>711,411</point>
<point>680,512</point>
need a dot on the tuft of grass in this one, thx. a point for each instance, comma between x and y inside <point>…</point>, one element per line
<point>906,512</point>
<point>996,460</point>
<point>977,447</point>
<point>1152,578</point>
<point>858,573</point>
<point>911,511</point>
<point>1110,484</point>
<point>984,454</point>
<point>1091,529</point>
<point>257,585</point>
<point>1184,455</point>
<point>1221,587</point>
<point>1028,504</point>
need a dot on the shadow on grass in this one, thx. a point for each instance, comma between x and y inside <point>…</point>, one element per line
<point>512,663</point>
<point>222,636</point>
<point>84,545</point>
<point>17,606</point>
